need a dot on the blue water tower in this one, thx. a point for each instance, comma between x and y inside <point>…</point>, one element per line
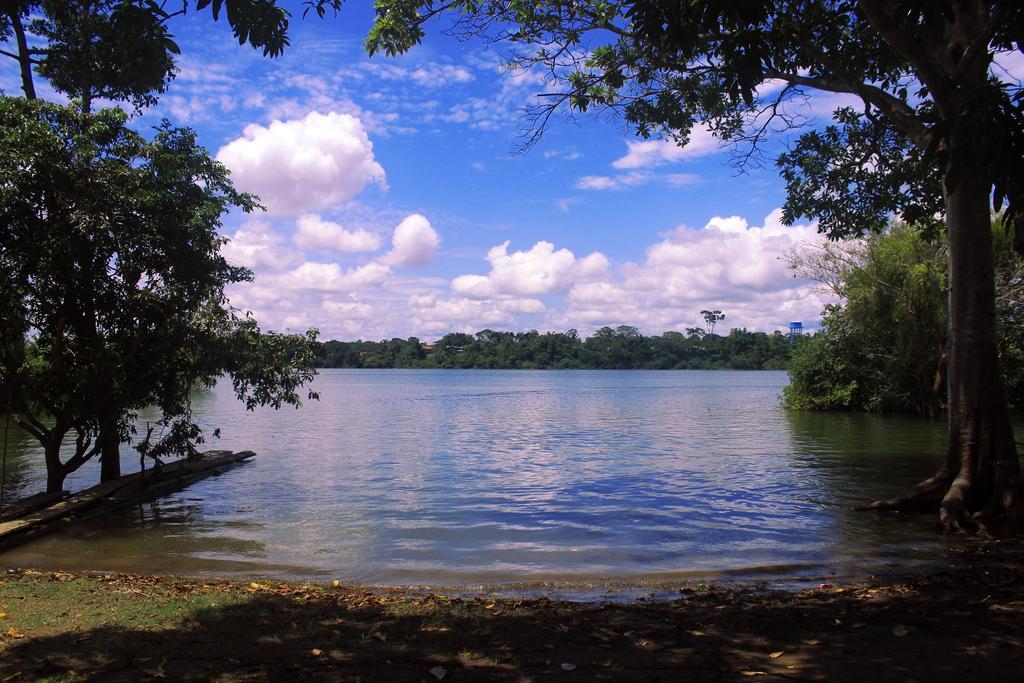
<point>796,328</point>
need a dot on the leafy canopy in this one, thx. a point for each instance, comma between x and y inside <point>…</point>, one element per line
<point>113,284</point>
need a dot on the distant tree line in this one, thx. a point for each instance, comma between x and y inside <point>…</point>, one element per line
<point>620,348</point>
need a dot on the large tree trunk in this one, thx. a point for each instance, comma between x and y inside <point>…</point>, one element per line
<point>110,453</point>
<point>982,457</point>
<point>55,469</point>
<point>980,482</point>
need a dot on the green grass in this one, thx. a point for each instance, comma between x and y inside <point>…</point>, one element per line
<point>44,605</point>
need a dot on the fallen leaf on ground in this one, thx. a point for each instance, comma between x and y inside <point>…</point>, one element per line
<point>900,630</point>
<point>776,655</point>
<point>316,652</point>
<point>568,666</point>
<point>439,672</point>
<point>753,673</point>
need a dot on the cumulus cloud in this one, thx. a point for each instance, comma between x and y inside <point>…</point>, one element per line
<point>414,242</point>
<point>650,153</point>
<point>728,264</point>
<point>330,277</point>
<point>256,245</point>
<point>305,164</point>
<point>439,316</point>
<point>349,310</point>
<point>315,233</point>
<point>541,270</point>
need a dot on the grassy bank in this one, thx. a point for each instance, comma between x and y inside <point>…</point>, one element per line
<point>955,627</point>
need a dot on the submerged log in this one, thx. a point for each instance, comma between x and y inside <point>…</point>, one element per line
<point>39,515</point>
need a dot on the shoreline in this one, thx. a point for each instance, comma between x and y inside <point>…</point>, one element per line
<point>962,624</point>
<point>584,589</point>
<point>581,588</point>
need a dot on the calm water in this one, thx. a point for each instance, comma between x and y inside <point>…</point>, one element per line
<point>456,477</point>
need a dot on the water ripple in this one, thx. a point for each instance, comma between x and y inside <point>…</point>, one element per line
<point>454,476</point>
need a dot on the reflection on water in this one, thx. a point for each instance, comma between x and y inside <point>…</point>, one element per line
<point>497,476</point>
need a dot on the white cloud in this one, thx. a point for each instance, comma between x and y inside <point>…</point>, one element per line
<point>330,277</point>
<point>347,309</point>
<point>316,233</point>
<point>651,153</point>
<point>503,110</point>
<point>623,180</point>
<point>726,258</point>
<point>303,164</point>
<point>430,75</point>
<point>439,316</point>
<point>256,245</point>
<point>541,270</point>
<point>597,182</point>
<point>728,264</point>
<point>414,242</point>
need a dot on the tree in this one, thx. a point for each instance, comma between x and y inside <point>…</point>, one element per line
<point>937,129</point>
<point>113,285</point>
<point>712,318</point>
<point>122,49</point>
<point>884,349</point>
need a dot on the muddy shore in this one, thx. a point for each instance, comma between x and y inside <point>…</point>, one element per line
<point>963,625</point>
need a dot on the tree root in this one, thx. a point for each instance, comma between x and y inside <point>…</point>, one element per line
<point>1006,505</point>
<point>924,497</point>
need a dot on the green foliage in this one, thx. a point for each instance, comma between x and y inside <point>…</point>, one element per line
<point>822,375</point>
<point>261,23</point>
<point>884,349</point>
<point>113,283</point>
<point>1009,272</point>
<point>109,49</point>
<point>854,175</point>
<point>620,348</point>
<point>122,50</point>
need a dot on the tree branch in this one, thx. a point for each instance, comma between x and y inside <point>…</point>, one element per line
<point>898,111</point>
<point>902,41</point>
<point>30,426</point>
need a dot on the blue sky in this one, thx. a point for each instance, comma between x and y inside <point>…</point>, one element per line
<point>397,207</point>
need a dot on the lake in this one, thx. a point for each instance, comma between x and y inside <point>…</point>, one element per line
<point>481,477</point>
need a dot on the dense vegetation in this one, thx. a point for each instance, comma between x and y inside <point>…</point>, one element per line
<point>622,348</point>
<point>112,284</point>
<point>885,349</point>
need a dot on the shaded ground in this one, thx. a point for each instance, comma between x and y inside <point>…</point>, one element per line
<point>962,626</point>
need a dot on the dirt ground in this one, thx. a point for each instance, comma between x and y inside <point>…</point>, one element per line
<point>966,625</point>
